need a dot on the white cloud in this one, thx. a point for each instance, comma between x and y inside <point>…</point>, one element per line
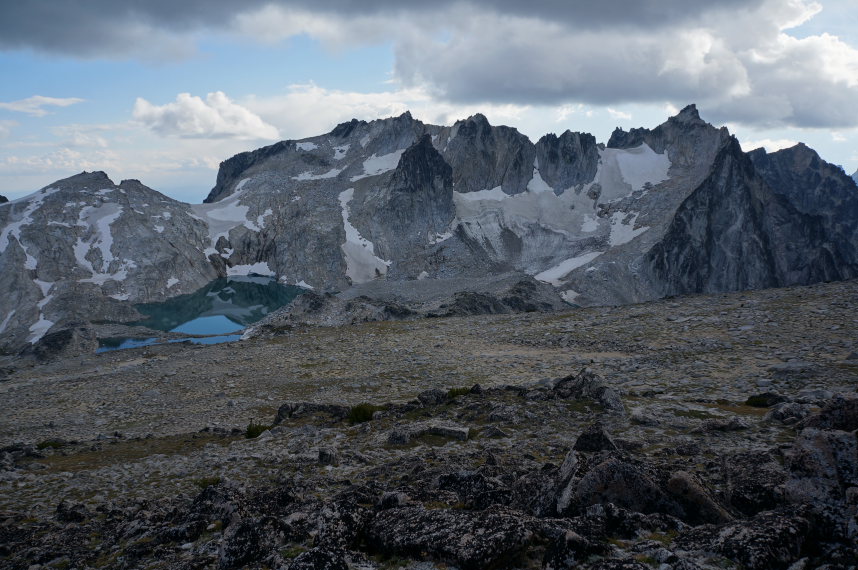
<point>618,114</point>
<point>771,145</point>
<point>63,162</point>
<point>35,105</point>
<point>191,117</point>
<point>6,128</point>
<point>307,109</point>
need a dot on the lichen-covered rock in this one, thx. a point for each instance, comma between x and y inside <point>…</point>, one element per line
<point>772,539</point>
<point>250,540</point>
<point>569,551</point>
<point>754,482</point>
<point>587,384</point>
<point>624,484</point>
<point>469,540</point>
<point>594,438</point>
<point>840,413</point>
<point>320,559</point>
<point>788,412</point>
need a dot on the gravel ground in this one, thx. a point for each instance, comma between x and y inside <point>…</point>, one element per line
<point>151,422</point>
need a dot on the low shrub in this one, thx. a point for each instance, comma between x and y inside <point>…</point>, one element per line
<point>362,413</point>
<point>455,392</point>
<point>254,429</point>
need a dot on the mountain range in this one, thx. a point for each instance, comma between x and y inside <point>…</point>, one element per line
<point>672,210</point>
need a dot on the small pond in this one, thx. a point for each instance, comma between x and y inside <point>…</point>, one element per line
<point>216,313</point>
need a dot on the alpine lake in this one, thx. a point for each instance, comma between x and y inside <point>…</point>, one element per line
<point>218,312</point>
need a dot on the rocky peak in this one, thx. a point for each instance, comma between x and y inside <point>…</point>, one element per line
<point>3,199</point>
<point>688,114</point>
<point>420,163</point>
<point>343,130</point>
<point>86,179</point>
<point>855,177</point>
<point>232,169</point>
<point>567,160</point>
<point>485,157</point>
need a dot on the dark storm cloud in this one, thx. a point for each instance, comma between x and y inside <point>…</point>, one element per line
<point>114,27</point>
<point>731,56</point>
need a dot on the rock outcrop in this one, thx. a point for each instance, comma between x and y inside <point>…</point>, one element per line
<point>506,294</point>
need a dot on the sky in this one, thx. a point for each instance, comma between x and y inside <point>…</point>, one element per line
<point>163,91</point>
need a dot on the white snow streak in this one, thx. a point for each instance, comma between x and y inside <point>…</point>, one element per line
<point>555,274</point>
<point>332,173</point>
<point>171,282</point>
<point>362,265</point>
<point>306,146</point>
<point>5,322</point>
<point>376,165</point>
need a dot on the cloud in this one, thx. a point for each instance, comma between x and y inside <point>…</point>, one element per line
<point>191,117</point>
<point>308,109</point>
<point>6,128</point>
<point>619,114</point>
<point>35,105</point>
<point>63,162</point>
<point>734,58</point>
<point>107,28</point>
<point>769,144</point>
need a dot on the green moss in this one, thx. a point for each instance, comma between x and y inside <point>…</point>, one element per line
<point>293,551</point>
<point>50,444</point>
<point>696,414</point>
<point>455,392</point>
<point>205,482</point>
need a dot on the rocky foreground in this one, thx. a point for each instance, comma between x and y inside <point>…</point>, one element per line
<point>701,432</point>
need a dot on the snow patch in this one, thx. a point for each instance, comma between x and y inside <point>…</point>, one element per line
<point>537,184</point>
<point>13,230</point>
<point>159,229</point>
<point>569,295</point>
<point>423,275</point>
<point>240,185</point>
<point>340,151</point>
<point>438,238</point>
<point>304,284</point>
<point>622,232</point>
<point>591,224</point>
<point>362,265</point>
<point>555,274</point>
<point>98,220</point>
<point>332,173</point>
<point>495,194</point>
<point>375,165</point>
<point>306,146</point>
<point>171,282</point>
<point>39,329</point>
<point>641,165</point>
<point>364,141</point>
<point>121,296</point>
<point>258,268</point>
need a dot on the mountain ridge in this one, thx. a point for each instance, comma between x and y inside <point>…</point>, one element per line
<point>675,209</point>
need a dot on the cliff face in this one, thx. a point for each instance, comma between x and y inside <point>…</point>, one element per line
<point>670,210</point>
